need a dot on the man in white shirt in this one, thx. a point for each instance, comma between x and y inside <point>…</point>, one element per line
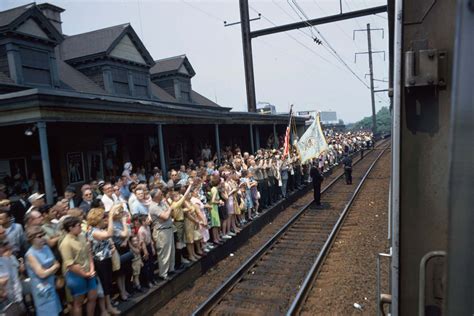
<point>109,198</point>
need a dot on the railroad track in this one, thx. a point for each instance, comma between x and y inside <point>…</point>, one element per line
<point>267,282</point>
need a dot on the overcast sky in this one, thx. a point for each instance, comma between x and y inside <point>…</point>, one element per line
<point>289,67</point>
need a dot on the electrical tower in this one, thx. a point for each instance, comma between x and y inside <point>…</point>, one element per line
<point>371,70</point>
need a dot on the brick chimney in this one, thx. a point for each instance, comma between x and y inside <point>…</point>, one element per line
<point>53,13</point>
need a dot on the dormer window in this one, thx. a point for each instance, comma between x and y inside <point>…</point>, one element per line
<point>174,76</point>
<point>140,84</point>
<point>120,80</point>
<point>36,66</point>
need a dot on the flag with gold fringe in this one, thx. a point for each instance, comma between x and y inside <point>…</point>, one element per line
<point>313,142</point>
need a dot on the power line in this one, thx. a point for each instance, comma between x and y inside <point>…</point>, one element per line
<point>379,16</point>
<point>342,30</point>
<point>384,69</point>
<point>371,17</point>
<point>203,11</point>
<point>298,41</point>
<point>140,19</point>
<point>329,47</point>
<point>349,7</point>
<point>294,56</point>
<point>311,27</point>
<point>315,39</point>
<point>290,16</point>
<point>337,25</point>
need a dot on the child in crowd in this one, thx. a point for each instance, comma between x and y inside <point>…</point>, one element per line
<point>137,262</point>
<point>144,236</point>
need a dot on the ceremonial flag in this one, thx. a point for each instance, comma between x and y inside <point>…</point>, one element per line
<point>286,148</point>
<point>313,142</point>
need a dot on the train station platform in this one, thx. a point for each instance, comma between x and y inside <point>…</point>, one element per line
<point>158,296</point>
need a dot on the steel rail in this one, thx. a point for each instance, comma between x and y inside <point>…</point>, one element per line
<point>307,284</point>
<point>216,296</point>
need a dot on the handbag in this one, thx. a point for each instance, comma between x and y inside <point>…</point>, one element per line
<point>115,261</point>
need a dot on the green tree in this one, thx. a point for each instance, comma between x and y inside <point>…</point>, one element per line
<point>382,119</point>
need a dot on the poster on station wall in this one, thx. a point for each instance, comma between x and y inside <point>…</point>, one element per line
<point>75,167</point>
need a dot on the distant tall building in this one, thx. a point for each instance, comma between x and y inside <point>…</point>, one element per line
<point>266,108</point>
<point>328,117</point>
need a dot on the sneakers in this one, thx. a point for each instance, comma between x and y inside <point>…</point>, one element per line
<point>139,289</point>
<point>226,237</point>
<point>185,261</point>
<point>165,278</point>
<point>232,234</point>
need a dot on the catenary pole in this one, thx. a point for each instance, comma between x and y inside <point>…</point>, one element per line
<point>371,73</point>
<point>248,59</point>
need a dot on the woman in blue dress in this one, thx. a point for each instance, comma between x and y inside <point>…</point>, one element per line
<point>41,266</point>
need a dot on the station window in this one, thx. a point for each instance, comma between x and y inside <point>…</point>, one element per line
<point>120,79</point>
<point>36,67</point>
<point>140,84</point>
<point>186,97</point>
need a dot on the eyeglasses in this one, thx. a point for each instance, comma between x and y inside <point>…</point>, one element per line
<point>88,194</point>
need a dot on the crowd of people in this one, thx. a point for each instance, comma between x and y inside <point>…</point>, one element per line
<point>102,242</point>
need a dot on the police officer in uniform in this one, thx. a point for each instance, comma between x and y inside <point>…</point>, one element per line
<point>317,180</point>
<point>347,162</point>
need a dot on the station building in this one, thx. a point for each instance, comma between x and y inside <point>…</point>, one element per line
<point>74,108</point>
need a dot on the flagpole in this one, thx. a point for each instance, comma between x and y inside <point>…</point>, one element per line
<point>286,145</point>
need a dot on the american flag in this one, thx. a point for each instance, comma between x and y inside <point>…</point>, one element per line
<point>286,148</point>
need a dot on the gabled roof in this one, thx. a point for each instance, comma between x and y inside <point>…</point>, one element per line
<point>161,94</point>
<point>11,19</point>
<point>200,99</point>
<point>76,79</point>
<point>8,16</point>
<point>171,65</point>
<point>100,43</point>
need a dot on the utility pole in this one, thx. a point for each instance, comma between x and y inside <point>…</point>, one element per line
<point>247,36</point>
<point>248,60</point>
<point>371,71</point>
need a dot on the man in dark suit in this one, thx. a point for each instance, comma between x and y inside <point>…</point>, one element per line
<point>70,195</point>
<point>20,206</point>
<point>347,162</point>
<point>87,198</point>
<point>317,180</point>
